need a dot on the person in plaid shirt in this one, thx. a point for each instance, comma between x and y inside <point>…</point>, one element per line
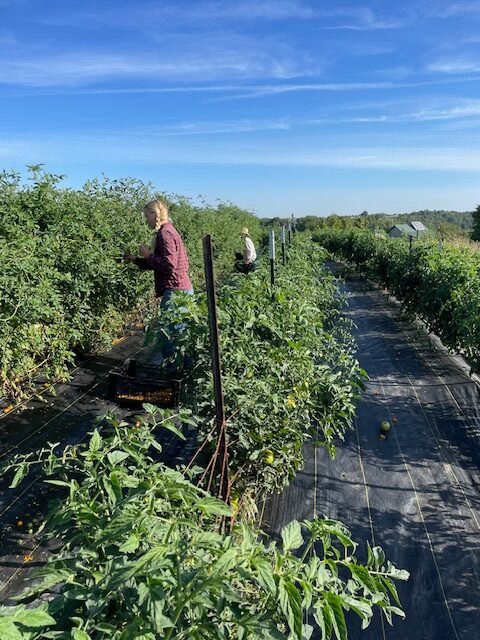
<point>169,260</point>
<point>169,263</point>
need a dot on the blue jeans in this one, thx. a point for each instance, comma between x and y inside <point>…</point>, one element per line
<point>169,293</point>
<point>169,346</point>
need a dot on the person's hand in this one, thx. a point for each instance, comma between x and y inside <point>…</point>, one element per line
<point>127,257</point>
<point>144,251</point>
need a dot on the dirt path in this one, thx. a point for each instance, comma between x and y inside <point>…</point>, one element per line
<point>415,493</point>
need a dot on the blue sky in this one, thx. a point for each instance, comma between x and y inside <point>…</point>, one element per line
<point>282,107</point>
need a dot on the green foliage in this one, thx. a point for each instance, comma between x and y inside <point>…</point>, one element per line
<point>144,555</point>
<point>63,286</point>
<point>461,220</point>
<point>439,284</point>
<point>289,371</point>
<point>458,222</point>
<point>476,224</point>
<point>223,222</point>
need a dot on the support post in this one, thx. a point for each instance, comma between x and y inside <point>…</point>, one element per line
<point>216,366</point>
<point>289,234</point>
<point>272,257</point>
<point>283,244</point>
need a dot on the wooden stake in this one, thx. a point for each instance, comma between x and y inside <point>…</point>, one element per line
<point>221,452</point>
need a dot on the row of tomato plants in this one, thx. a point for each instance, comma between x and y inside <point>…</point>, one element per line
<point>64,288</point>
<point>289,369</point>
<point>436,282</point>
<point>147,553</point>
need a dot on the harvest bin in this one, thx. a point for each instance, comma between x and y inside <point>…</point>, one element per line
<point>139,383</point>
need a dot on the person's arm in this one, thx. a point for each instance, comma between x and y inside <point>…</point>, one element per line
<point>142,263</point>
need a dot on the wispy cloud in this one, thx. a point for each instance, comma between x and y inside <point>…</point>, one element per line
<point>168,15</point>
<point>405,110</point>
<point>79,69</point>
<point>459,9</point>
<point>453,113</point>
<point>150,15</point>
<point>456,65</point>
<point>422,115</point>
<point>52,86</point>
<point>261,90</point>
<point>288,153</point>
<point>361,19</point>
<point>464,113</point>
<point>195,128</point>
<point>206,127</point>
<point>254,9</point>
<point>277,89</point>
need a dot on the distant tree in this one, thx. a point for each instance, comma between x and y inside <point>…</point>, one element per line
<point>364,213</point>
<point>476,224</point>
<point>361,221</point>
<point>268,222</point>
<point>310,223</point>
<point>334,221</point>
<point>449,231</point>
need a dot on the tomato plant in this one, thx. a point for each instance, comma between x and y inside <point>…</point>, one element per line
<point>289,369</point>
<point>143,556</point>
<point>63,286</point>
<point>440,284</point>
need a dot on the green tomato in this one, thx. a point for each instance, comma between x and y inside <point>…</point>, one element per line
<point>384,426</point>
<point>269,457</point>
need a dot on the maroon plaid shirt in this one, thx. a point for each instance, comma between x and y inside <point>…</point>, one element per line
<point>169,261</point>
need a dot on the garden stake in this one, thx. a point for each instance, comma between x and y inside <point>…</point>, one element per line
<point>221,449</point>
<point>283,244</point>
<point>272,258</point>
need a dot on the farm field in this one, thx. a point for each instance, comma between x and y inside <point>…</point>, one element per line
<point>415,492</point>
<point>240,320</point>
<point>290,375</point>
<point>295,381</point>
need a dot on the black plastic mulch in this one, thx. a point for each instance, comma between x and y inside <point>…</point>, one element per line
<point>416,492</point>
<point>66,418</point>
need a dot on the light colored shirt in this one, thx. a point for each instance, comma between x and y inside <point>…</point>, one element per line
<point>249,253</point>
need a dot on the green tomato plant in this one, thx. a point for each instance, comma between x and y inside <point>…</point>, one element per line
<point>145,554</point>
<point>288,367</point>
<point>64,288</point>
<point>437,283</point>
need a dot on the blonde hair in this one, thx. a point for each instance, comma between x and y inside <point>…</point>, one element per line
<point>160,209</point>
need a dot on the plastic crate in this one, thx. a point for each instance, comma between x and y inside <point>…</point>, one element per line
<point>139,383</point>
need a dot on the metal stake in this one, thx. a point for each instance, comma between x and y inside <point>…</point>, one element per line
<point>272,257</point>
